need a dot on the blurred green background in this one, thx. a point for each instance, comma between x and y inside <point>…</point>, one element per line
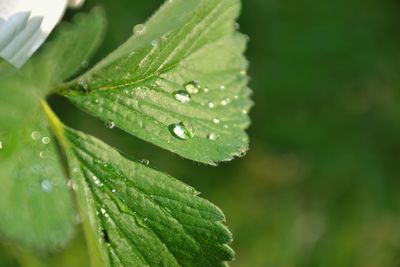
<point>320,185</point>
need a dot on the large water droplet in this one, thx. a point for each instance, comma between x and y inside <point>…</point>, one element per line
<point>145,161</point>
<point>182,96</point>
<point>45,140</point>
<point>180,131</point>
<point>139,29</point>
<point>35,135</point>
<point>211,104</point>
<point>110,124</point>
<point>192,87</point>
<point>46,185</point>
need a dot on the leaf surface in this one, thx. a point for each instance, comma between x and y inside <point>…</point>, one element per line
<point>179,82</point>
<point>35,203</point>
<point>143,217</point>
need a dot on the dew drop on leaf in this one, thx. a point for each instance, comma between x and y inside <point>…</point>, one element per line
<point>45,140</point>
<point>35,135</point>
<point>46,185</point>
<point>139,29</point>
<point>212,136</point>
<point>216,120</point>
<point>96,180</point>
<point>110,124</point>
<point>211,104</point>
<point>43,154</point>
<point>182,96</point>
<point>180,131</point>
<point>145,161</point>
<point>225,101</point>
<point>1,145</point>
<point>192,87</point>
<point>154,43</point>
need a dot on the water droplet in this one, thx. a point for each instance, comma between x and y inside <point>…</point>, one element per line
<point>222,87</point>
<point>43,154</point>
<point>225,102</point>
<point>211,104</point>
<point>139,29</point>
<point>145,161</point>
<point>83,84</point>
<point>113,190</point>
<point>212,136</point>
<point>45,140</point>
<point>84,64</point>
<point>236,97</point>
<point>182,96</point>
<point>110,124</point>
<point>145,219</point>
<point>71,185</point>
<point>154,43</point>
<point>180,131</point>
<point>46,185</point>
<point>243,72</point>
<point>35,135</point>
<point>244,111</point>
<point>205,90</point>
<point>216,120</point>
<point>1,145</point>
<point>104,212</point>
<point>96,180</point>
<point>192,87</point>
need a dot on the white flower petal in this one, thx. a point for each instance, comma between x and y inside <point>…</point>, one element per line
<point>25,25</point>
<point>75,3</point>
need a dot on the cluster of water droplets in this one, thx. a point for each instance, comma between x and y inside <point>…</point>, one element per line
<point>184,95</point>
<point>45,184</point>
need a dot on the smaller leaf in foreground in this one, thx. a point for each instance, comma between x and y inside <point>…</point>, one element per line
<point>36,207</point>
<point>143,217</point>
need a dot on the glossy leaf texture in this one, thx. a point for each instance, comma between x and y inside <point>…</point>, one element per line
<point>140,216</point>
<point>179,82</point>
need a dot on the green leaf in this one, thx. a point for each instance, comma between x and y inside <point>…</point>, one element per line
<point>69,51</point>
<point>36,207</point>
<point>140,216</point>
<point>188,46</point>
